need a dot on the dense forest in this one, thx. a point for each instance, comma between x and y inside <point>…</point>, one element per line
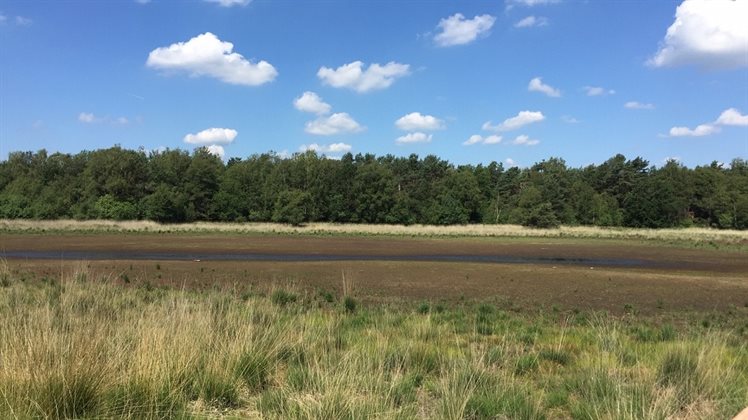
<point>178,186</point>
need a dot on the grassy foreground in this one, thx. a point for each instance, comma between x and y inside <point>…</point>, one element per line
<point>79,347</point>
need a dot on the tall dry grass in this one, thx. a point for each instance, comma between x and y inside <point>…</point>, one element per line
<point>687,235</point>
<point>80,347</point>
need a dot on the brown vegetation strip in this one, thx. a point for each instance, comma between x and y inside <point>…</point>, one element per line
<point>697,279</point>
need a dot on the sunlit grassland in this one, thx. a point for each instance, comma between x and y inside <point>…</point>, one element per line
<point>84,347</point>
<point>679,236</point>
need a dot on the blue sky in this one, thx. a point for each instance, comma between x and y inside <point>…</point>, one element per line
<point>470,81</point>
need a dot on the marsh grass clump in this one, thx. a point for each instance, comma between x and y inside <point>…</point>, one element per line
<point>102,349</point>
<point>282,297</point>
<point>557,356</point>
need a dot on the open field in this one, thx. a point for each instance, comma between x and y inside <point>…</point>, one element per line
<point>79,346</point>
<point>386,327</point>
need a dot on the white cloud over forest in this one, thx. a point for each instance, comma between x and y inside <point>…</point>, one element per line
<point>354,76</point>
<point>416,137</point>
<point>212,136</point>
<point>706,33</point>
<point>311,102</point>
<point>338,123</point>
<point>415,121</point>
<point>522,119</point>
<point>206,55</point>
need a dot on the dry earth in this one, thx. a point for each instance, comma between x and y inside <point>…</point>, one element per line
<point>677,278</point>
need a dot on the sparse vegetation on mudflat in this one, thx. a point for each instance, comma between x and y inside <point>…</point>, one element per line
<point>83,347</point>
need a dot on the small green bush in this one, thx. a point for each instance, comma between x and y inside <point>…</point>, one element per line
<point>423,308</point>
<point>350,304</point>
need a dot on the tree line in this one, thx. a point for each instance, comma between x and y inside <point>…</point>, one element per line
<point>176,186</point>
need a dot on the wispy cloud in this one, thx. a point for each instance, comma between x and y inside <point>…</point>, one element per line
<point>478,139</point>
<point>569,119</point>
<point>531,21</point>
<point>598,91</point>
<point>537,85</point>
<point>229,3</point>
<point>638,105</point>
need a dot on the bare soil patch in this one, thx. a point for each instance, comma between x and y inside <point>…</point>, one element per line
<point>685,279</point>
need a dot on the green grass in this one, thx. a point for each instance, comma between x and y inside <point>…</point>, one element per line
<point>81,347</point>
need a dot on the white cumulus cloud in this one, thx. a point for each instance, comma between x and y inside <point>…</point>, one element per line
<point>524,140</point>
<point>338,123</point>
<point>598,91</point>
<point>417,137</point>
<point>311,102</point>
<point>638,105</point>
<point>456,30</point>
<point>212,136</point>
<point>732,116</point>
<point>216,150</point>
<point>206,55</point>
<point>522,119</point>
<point>706,33</point>
<point>416,121</point>
<point>699,131</point>
<point>230,3</point>
<point>511,162</point>
<point>327,148</point>
<point>531,21</point>
<point>353,76</point>
<point>537,85</point>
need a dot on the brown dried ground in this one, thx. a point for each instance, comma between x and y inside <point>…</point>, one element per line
<point>685,279</point>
